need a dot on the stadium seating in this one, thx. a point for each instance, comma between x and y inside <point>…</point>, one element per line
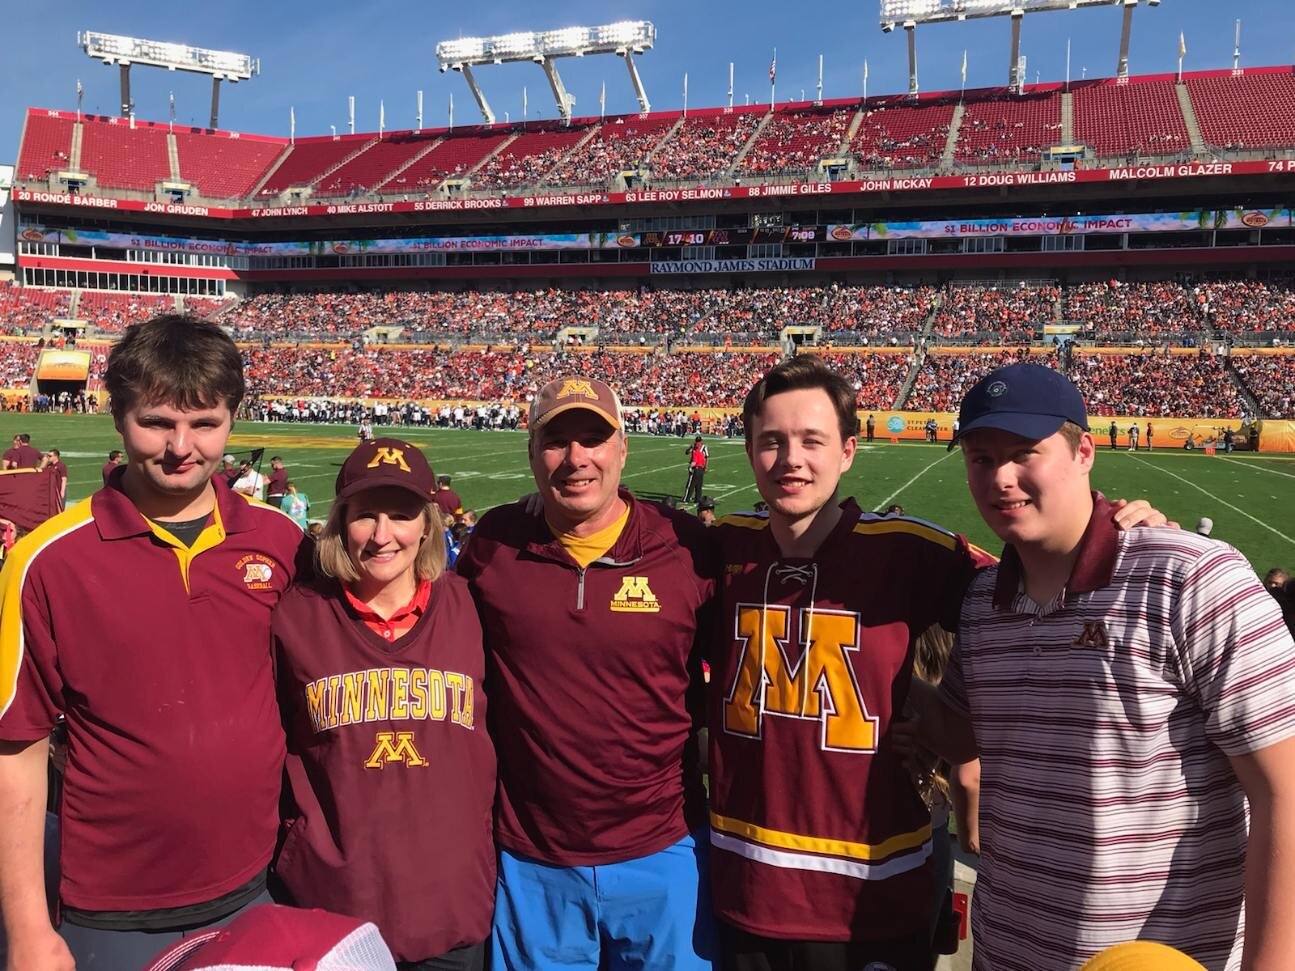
<point>704,146</point>
<point>113,312</point>
<point>29,308</point>
<point>46,146</point>
<point>1271,379</point>
<point>1157,385</point>
<point>1007,127</point>
<point>680,380</point>
<point>453,157</point>
<point>1138,118</point>
<point>122,158</point>
<point>1132,312</point>
<point>619,144</point>
<point>528,158</point>
<point>794,141</point>
<point>897,134</point>
<point>374,165</point>
<point>1008,313</point>
<point>222,167</point>
<point>309,159</point>
<point>17,363</point>
<point>1252,110</point>
<point>944,378</point>
<point>876,378</point>
<point>1246,308</point>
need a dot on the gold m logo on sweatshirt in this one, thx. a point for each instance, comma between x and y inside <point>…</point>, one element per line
<point>394,747</point>
<point>636,597</point>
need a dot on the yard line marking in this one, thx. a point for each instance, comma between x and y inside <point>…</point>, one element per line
<point>1221,502</point>
<point>1247,465</point>
<point>890,498</point>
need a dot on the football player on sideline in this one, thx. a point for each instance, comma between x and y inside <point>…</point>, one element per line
<point>142,615</point>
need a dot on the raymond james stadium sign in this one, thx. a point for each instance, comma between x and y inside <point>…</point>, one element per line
<point>766,265</point>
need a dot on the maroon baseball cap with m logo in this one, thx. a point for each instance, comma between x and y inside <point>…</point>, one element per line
<point>386,462</point>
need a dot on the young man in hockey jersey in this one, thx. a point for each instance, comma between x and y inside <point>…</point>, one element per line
<point>821,841</point>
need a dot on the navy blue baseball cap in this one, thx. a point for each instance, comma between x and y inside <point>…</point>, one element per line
<point>1025,399</point>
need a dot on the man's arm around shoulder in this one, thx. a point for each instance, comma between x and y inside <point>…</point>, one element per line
<point>34,945</point>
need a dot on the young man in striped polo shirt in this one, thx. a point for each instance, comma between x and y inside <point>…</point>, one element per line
<point>1129,693</point>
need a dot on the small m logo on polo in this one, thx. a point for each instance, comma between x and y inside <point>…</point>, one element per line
<point>394,747</point>
<point>390,456</point>
<point>576,386</point>
<point>1094,635</point>
<point>635,596</point>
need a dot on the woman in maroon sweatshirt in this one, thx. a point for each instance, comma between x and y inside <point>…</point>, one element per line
<point>390,769</point>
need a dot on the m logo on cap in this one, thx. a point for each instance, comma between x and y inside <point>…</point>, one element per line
<point>997,389</point>
<point>389,456</point>
<point>577,387</point>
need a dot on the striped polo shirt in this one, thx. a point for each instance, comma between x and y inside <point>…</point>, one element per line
<point>1105,719</point>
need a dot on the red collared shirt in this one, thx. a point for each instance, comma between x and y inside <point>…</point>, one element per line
<point>402,621</point>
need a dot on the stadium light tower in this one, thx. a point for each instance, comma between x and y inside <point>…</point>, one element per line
<point>544,47</point>
<point>125,51</point>
<point>910,13</point>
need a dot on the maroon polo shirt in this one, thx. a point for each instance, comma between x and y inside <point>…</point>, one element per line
<point>25,456</point>
<point>160,659</point>
<point>595,683</point>
<point>108,468</point>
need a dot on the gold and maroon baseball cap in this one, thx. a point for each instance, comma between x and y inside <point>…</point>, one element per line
<point>386,462</point>
<point>568,394</point>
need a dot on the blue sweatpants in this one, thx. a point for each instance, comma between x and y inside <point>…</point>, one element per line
<point>649,914</point>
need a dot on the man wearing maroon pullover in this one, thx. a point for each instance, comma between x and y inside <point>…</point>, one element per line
<point>590,615</point>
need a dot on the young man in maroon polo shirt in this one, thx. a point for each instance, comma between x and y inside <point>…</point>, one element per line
<point>590,615</point>
<point>109,467</point>
<point>142,616</point>
<point>53,460</point>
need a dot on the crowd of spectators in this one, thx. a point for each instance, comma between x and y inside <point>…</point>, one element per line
<point>1006,313</point>
<point>1271,379</point>
<point>114,312</point>
<point>1131,312</point>
<point>507,169</point>
<point>1157,385</point>
<point>877,378</point>
<point>704,148</point>
<point>18,363</point>
<point>431,315</point>
<point>617,146</point>
<point>1244,308</point>
<point>877,146</point>
<point>30,308</point>
<point>676,380</point>
<point>796,141</point>
<point>944,378</point>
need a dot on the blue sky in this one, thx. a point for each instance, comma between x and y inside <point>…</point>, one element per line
<point>314,55</point>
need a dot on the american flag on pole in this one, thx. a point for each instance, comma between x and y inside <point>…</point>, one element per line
<point>773,66</point>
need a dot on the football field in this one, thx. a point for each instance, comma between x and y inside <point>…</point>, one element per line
<point>1249,497</point>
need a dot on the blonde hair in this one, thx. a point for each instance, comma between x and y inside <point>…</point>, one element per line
<point>333,560</point>
<point>931,652</point>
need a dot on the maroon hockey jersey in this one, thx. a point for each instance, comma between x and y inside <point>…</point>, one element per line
<point>390,767</point>
<point>818,831</point>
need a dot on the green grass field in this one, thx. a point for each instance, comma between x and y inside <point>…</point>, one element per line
<point>1247,496</point>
